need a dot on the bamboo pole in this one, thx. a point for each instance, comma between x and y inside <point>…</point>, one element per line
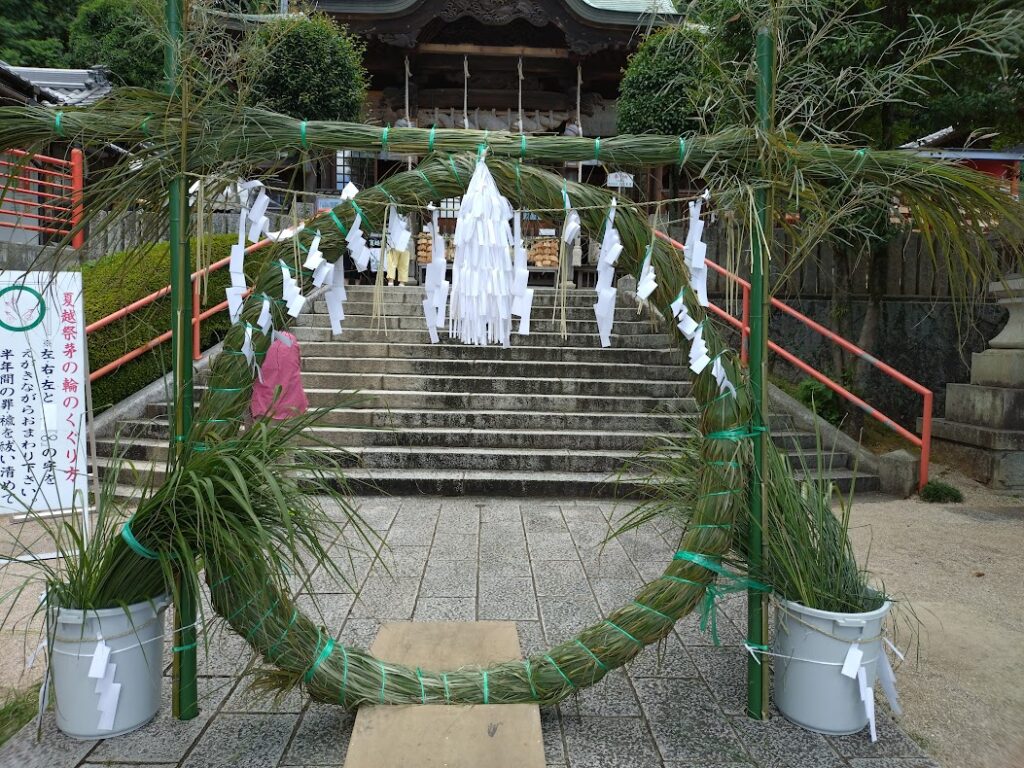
<point>757,601</point>
<point>184,701</point>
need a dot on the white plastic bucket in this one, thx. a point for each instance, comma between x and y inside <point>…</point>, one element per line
<point>809,649</point>
<point>134,636</point>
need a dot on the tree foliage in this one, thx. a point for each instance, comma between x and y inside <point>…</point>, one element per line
<point>309,68</point>
<point>34,33</point>
<point>120,35</point>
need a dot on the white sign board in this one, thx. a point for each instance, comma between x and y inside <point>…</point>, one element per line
<point>620,180</point>
<point>43,380</point>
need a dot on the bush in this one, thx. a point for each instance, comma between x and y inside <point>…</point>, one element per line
<point>936,492</point>
<point>120,278</point>
<point>119,34</point>
<point>822,400</point>
<point>310,69</point>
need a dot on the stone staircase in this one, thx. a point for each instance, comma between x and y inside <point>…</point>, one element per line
<point>548,417</point>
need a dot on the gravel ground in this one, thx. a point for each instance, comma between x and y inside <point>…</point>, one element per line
<point>960,568</point>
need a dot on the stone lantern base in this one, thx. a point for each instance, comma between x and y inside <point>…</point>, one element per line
<point>984,425</point>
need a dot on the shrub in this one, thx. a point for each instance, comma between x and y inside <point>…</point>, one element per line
<point>937,492</point>
<point>822,400</point>
<point>120,35</point>
<point>120,278</point>
<point>309,68</point>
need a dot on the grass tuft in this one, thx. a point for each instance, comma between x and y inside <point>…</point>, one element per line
<point>937,492</point>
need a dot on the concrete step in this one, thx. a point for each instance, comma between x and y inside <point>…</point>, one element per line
<point>647,340</point>
<point>345,347</point>
<point>538,324</point>
<point>433,366</point>
<point>355,308</point>
<point>466,401</point>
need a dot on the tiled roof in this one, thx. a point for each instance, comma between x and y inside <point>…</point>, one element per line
<point>69,86</point>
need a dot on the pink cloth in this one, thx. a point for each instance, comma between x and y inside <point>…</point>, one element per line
<point>281,369</point>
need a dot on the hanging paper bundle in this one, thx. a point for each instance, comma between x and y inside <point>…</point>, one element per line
<point>611,247</point>
<point>522,296</point>
<point>435,286</point>
<point>357,247</point>
<point>482,272</point>
<point>648,281</point>
<point>695,250</point>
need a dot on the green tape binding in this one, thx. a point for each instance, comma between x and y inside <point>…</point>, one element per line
<point>522,146</point>
<point>183,648</point>
<point>426,181</point>
<point>302,133</point>
<point>597,149</point>
<point>732,464</point>
<point>383,680</point>
<point>344,674</point>
<point>726,492</point>
<point>615,626</point>
<point>384,139</point>
<point>447,693</point>
<point>529,678</point>
<point>357,209</point>
<point>258,624</point>
<point>706,526</point>
<point>423,690</point>
<point>451,162</point>
<point>735,433</point>
<point>558,669</point>
<point>328,647</point>
<point>656,612</point>
<point>487,695</point>
<point>592,655</point>
<point>237,613</point>
<point>338,223</point>
<point>682,151</point>
<point>430,141</point>
<point>295,615</point>
<point>57,127</point>
<point>225,389</point>
<point>135,545</point>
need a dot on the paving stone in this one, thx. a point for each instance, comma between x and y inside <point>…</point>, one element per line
<point>53,750</point>
<point>508,599</point>
<point>242,741</point>
<point>564,617</point>
<point>505,569</point>
<point>892,742</point>
<point>588,531</point>
<point>613,696</point>
<point>777,743</point>
<point>348,573</point>
<point>705,764</point>
<point>554,741</point>
<point>500,511</point>
<point>607,561</point>
<point>164,739</point>
<point>405,534</point>
<point>612,594</point>
<point>449,578</point>
<point>689,630</point>
<point>893,762</point>
<point>401,562</point>
<point>668,658</point>
<point>725,672</point>
<point>458,520</point>
<point>560,577</point>
<point>686,721</point>
<point>609,742</point>
<point>551,546</point>
<point>322,736</point>
<point>222,654</point>
<point>454,546</point>
<point>445,609</point>
<point>495,550</point>
<point>330,610</point>
<point>386,598</point>
<point>245,699</point>
<point>378,517</point>
<point>531,637</point>
<point>360,633</point>
<point>540,520</point>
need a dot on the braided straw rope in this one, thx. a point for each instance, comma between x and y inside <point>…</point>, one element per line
<point>307,654</point>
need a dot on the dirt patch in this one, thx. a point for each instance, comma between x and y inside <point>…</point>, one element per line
<point>960,567</point>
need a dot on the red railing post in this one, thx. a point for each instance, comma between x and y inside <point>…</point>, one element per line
<point>77,188</point>
<point>926,439</point>
<point>745,327</point>
<point>197,352</point>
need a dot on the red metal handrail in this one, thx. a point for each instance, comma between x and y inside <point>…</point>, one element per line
<point>923,442</point>
<point>27,177</point>
<point>198,316</point>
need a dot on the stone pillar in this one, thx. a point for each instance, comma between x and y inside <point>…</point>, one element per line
<point>984,423</point>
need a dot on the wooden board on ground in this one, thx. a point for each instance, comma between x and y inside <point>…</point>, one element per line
<point>493,735</point>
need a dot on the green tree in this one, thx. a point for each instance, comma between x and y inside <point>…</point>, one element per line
<point>309,68</point>
<point>34,33</point>
<point>120,35</point>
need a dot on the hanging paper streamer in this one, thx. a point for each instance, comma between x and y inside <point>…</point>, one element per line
<point>357,246</point>
<point>335,298</point>
<point>695,250</point>
<point>482,272</point>
<point>399,233</point>
<point>648,281</point>
<point>522,296</point>
<point>611,247</point>
<point>102,671</point>
<point>315,257</point>
<point>435,286</point>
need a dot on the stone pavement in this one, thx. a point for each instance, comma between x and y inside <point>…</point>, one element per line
<point>539,563</point>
